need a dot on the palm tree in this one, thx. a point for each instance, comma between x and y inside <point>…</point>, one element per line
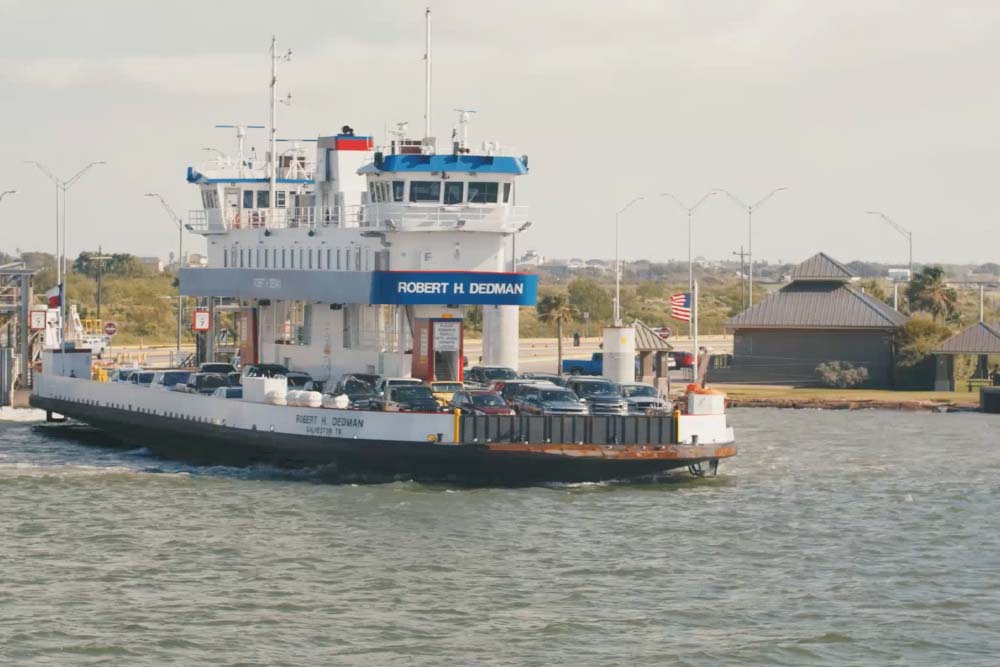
<point>928,292</point>
<point>556,309</point>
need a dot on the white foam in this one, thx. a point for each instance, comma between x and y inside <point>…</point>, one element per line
<point>9,414</point>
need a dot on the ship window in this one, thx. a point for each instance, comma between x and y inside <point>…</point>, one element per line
<point>283,263</point>
<point>274,258</point>
<point>293,259</point>
<point>263,197</point>
<point>357,259</point>
<point>225,257</point>
<point>506,193</point>
<point>425,191</point>
<point>373,192</point>
<point>482,193</point>
<point>241,258</point>
<point>302,257</point>
<point>266,257</point>
<point>310,258</point>
<point>453,192</point>
<point>338,259</point>
<point>397,190</point>
<point>248,199</point>
<point>279,199</point>
<point>210,199</point>
<point>329,256</point>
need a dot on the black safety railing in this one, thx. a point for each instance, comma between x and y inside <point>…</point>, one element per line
<point>564,429</point>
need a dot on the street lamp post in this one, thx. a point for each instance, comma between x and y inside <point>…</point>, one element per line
<point>750,209</point>
<point>690,212</point>
<point>7,192</point>
<point>902,230</point>
<point>180,260</point>
<point>618,263</point>
<point>62,186</point>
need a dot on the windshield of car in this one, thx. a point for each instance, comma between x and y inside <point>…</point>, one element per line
<point>356,386</point>
<point>401,382</point>
<point>217,368</point>
<point>170,378</point>
<point>488,401</point>
<point>557,395</point>
<point>298,380</point>
<point>447,386</point>
<point>144,377</point>
<point>213,381</point>
<point>412,394</point>
<point>595,388</point>
<point>632,391</point>
<point>499,374</point>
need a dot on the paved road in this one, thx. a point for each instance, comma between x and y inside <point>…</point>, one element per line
<point>537,354</point>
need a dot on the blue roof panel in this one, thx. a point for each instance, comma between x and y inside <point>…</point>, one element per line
<point>480,164</point>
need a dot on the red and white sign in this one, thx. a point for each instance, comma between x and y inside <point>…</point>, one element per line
<point>36,320</point>
<point>201,321</point>
<point>110,328</point>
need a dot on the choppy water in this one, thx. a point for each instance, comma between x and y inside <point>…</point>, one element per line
<point>866,538</point>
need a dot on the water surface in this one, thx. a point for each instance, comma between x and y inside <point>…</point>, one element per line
<point>834,538</point>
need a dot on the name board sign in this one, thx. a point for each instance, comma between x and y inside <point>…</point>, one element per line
<point>446,336</point>
<point>454,287</point>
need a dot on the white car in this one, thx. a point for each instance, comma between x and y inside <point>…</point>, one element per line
<point>169,379</point>
<point>383,383</point>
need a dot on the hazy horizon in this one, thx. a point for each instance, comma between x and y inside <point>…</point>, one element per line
<point>880,106</point>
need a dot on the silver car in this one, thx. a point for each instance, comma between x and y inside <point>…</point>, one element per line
<point>643,398</point>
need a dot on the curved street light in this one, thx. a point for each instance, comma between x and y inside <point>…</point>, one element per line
<point>750,209</point>
<point>690,212</point>
<point>180,258</point>
<point>618,264</point>
<point>7,192</point>
<point>899,228</point>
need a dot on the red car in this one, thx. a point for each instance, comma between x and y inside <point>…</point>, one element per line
<point>480,403</point>
<point>682,359</point>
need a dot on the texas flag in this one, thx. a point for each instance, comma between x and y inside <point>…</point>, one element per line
<point>53,296</point>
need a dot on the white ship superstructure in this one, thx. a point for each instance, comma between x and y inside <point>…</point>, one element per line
<point>366,258</point>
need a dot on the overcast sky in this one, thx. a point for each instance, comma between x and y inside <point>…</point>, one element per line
<point>852,105</point>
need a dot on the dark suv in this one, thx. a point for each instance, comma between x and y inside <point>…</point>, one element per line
<point>205,383</point>
<point>603,396</point>
<point>546,399</point>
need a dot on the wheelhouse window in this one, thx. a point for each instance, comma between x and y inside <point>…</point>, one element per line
<point>279,199</point>
<point>454,192</point>
<point>263,199</point>
<point>483,193</point>
<point>248,199</point>
<point>506,193</point>
<point>373,192</point>
<point>397,190</point>
<point>425,191</point>
<point>210,198</point>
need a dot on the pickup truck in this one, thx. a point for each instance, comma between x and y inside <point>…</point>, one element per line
<point>592,366</point>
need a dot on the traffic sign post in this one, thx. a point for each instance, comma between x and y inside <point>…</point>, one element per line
<point>201,320</point>
<point>110,329</point>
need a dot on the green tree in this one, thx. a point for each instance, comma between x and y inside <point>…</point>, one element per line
<point>917,338</point>
<point>586,295</point>
<point>929,293</point>
<point>558,310</point>
<point>874,289</point>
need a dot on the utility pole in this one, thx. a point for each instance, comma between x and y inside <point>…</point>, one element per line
<point>100,258</point>
<point>743,275</point>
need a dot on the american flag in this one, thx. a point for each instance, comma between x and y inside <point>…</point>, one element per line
<point>680,306</point>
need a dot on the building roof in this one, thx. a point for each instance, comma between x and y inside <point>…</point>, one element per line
<point>818,305</point>
<point>482,164</point>
<point>821,267</point>
<point>980,338</point>
<point>647,340</point>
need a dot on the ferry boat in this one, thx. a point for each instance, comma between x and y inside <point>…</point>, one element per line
<point>362,259</point>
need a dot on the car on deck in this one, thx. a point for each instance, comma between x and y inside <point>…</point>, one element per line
<point>406,398</point>
<point>480,402</point>
<point>643,398</point>
<point>547,399</point>
<point>602,395</point>
<point>443,390</point>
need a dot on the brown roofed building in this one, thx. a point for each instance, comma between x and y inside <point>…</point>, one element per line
<point>818,317</point>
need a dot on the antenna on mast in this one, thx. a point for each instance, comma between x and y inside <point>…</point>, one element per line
<point>427,73</point>
<point>241,133</point>
<point>274,112</point>
<point>460,137</point>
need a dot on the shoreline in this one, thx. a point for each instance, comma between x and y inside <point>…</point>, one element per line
<point>852,404</point>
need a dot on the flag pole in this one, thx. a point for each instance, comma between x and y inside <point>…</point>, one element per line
<point>694,329</point>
